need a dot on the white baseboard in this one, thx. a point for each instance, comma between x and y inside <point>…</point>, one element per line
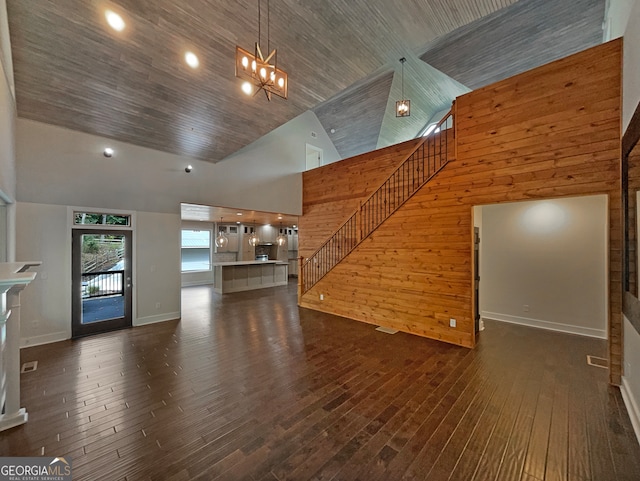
<point>167,316</point>
<point>632,406</point>
<point>197,283</point>
<point>8,421</point>
<point>63,336</point>
<point>551,326</point>
<point>44,339</point>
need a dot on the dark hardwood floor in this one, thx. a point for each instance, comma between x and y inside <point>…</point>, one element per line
<point>249,387</point>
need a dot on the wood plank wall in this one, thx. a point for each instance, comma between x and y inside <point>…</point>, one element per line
<point>333,192</point>
<point>551,132</point>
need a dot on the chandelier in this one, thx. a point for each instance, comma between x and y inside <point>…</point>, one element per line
<point>221,239</point>
<point>403,107</point>
<point>253,239</point>
<point>281,240</point>
<point>260,72</point>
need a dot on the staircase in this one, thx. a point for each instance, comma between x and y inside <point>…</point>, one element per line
<point>428,158</point>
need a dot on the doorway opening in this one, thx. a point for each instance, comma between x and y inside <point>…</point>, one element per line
<point>314,157</point>
<point>544,264</point>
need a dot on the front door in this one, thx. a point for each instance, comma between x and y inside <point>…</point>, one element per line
<point>101,281</point>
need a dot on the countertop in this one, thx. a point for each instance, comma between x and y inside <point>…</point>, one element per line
<point>247,263</point>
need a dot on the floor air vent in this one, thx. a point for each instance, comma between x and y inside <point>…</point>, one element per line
<point>598,362</point>
<point>386,330</point>
<point>29,366</point>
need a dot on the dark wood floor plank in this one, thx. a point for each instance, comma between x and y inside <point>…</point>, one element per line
<point>538,445</point>
<point>556,466</point>
<point>250,387</point>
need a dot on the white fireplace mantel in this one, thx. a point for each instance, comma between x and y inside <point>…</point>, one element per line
<point>14,277</point>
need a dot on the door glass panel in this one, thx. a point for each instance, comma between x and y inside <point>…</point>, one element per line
<point>103,277</point>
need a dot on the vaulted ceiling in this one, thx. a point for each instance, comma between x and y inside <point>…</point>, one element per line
<point>72,70</point>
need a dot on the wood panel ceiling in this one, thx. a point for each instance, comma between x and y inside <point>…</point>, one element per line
<point>206,213</point>
<point>72,70</point>
<point>524,36</point>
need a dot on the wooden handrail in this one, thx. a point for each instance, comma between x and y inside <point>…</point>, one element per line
<point>372,212</point>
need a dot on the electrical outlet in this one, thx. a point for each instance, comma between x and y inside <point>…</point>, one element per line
<point>322,297</point>
<point>35,324</point>
<point>452,322</point>
<point>525,308</point>
<point>157,305</point>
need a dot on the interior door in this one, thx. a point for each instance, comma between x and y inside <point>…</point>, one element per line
<point>101,281</point>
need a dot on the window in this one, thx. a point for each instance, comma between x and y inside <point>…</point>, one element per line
<point>196,250</point>
<point>430,128</point>
<point>92,218</point>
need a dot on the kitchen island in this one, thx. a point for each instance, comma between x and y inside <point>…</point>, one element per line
<point>248,275</point>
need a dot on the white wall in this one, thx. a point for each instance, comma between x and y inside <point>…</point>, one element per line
<point>616,18</point>
<point>157,251</point>
<point>7,143</point>
<point>65,167</point>
<point>544,264</point>
<point>624,15</point>
<point>45,234</point>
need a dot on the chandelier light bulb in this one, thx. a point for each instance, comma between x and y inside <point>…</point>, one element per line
<point>280,82</point>
<point>222,240</point>
<point>245,62</point>
<point>253,65</point>
<point>263,73</point>
<point>254,240</point>
<point>247,88</point>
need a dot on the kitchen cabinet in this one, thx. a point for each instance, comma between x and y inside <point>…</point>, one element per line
<point>292,237</point>
<point>246,252</point>
<point>249,275</point>
<point>293,267</point>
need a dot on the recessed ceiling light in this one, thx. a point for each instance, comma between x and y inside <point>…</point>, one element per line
<point>108,152</point>
<point>188,168</point>
<point>191,59</point>
<point>237,222</point>
<point>247,88</point>
<point>114,20</point>
<point>279,217</point>
<point>239,213</point>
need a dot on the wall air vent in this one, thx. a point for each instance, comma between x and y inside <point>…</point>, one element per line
<point>597,362</point>
<point>29,366</point>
